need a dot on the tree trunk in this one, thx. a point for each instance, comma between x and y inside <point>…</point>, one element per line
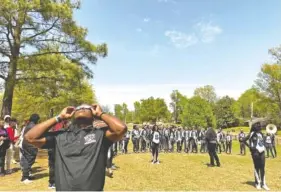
<point>9,89</point>
<point>8,96</point>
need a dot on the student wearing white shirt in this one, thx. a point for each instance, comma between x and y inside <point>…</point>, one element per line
<point>155,144</point>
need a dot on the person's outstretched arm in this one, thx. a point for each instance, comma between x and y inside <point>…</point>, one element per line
<point>117,129</point>
<point>35,135</point>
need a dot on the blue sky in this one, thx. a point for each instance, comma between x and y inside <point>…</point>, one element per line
<point>156,46</point>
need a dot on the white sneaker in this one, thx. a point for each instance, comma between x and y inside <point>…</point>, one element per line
<point>258,186</point>
<point>158,162</point>
<point>27,181</point>
<point>265,187</point>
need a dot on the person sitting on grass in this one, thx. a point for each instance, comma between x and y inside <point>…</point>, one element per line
<point>81,149</point>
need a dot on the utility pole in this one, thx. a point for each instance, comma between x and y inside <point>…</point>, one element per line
<point>252,114</point>
<point>175,93</point>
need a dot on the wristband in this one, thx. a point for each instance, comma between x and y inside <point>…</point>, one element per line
<point>101,114</point>
<point>58,119</point>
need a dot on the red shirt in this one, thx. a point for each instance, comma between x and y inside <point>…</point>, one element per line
<point>11,134</point>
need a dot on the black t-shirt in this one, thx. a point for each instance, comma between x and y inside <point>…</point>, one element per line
<point>80,158</point>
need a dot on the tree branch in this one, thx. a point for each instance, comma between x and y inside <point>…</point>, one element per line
<point>44,31</point>
<point>56,52</point>
<point>38,78</point>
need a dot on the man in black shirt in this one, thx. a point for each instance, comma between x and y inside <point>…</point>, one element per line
<point>211,138</point>
<point>81,150</point>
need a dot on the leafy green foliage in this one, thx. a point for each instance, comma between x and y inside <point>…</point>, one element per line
<point>224,112</point>
<point>198,112</point>
<point>121,111</point>
<point>30,29</point>
<point>151,110</point>
<point>207,92</point>
<point>177,104</point>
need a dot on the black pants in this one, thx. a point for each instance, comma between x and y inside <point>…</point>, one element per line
<point>172,145</point>
<point>223,146</point>
<point>126,145</point>
<point>136,143</point>
<point>143,145</point>
<point>178,146</point>
<point>155,151</point>
<point>203,147</point>
<point>194,146</point>
<point>242,148</point>
<point>120,145</point>
<point>228,147</point>
<point>186,147</point>
<point>166,144</point>
<point>259,164</point>
<point>51,159</point>
<point>218,148</point>
<point>269,148</point>
<point>2,160</point>
<point>27,160</point>
<point>213,154</point>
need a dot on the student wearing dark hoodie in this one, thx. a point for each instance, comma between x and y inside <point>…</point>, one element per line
<point>4,145</point>
<point>28,151</point>
<point>211,139</point>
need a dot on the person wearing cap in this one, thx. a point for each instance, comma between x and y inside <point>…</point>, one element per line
<point>81,149</point>
<point>28,151</point>
<point>7,119</point>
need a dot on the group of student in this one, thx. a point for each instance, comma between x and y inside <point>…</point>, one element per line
<point>14,149</point>
<point>189,140</point>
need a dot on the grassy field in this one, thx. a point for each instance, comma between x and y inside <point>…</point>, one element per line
<point>175,172</point>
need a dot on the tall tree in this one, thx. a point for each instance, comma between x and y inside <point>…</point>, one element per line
<point>121,111</point>
<point>224,112</point>
<point>52,83</point>
<point>276,53</point>
<point>125,111</point>
<point>177,104</point>
<point>32,28</point>
<point>118,111</point>
<point>137,112</point>
<point>269,83</point>
<point>207,92</point>
<point>153,110</point>
<point>263,106</point>
<point>198,112</point>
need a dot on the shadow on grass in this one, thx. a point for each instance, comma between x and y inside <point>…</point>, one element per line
<point>251,183</point>
<point>37,169</point>
<point>41,176</point>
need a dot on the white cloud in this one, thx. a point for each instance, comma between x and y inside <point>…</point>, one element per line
<point>166,1</point>
<point>208,31</point>
<point>204,32</point>
<point>146,20</point>
<point>117,94</point>
<point>180,39</point>
<point>139,30</point>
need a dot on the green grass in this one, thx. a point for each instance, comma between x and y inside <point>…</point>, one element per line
<point>176,172</point>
